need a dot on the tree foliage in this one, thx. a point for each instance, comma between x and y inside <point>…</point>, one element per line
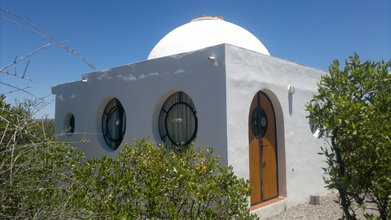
<point>44,179</point>
<point>353,111</point>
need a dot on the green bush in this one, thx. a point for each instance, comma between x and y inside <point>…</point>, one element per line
<point>353,111</point>
<point>34,170</point>
<point>155,182</point>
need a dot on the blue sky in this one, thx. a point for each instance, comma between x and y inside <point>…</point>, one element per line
<point>114,33</point>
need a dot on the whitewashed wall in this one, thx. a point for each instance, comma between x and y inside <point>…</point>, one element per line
<point>142,89</point>
<point>299,165</point>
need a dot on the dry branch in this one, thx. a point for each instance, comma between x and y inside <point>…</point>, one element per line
<point>17,88</point>
<point>4,69</point>
<point>39,31</point>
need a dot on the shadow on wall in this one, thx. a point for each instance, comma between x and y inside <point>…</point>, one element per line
<point>290,101</point>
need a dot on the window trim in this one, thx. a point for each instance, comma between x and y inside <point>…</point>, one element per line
<point>109,140</point>
<point>258,129</point>
<point>166,112</point>
<point>69,124</point>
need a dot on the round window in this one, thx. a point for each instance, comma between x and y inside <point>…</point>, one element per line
<point>113,124</point>
<point>258,122</point>
<point>178,120</point>
<point>69,124</point>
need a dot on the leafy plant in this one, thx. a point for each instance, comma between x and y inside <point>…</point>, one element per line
<point>146,181</point>
<point>34,169</point>
<point>353,111</point>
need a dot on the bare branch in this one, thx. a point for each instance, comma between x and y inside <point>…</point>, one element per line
<point>36,29</point>
<point>43,130</point>
<point>16,60</point>
<point>19,24</point>
<point>5,131</point>
<point>15,74</point>
<point>25,69</point>
<point>17,88</point>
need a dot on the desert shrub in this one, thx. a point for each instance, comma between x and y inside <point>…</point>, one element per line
<point>34,170</point>
<point>149,181</point>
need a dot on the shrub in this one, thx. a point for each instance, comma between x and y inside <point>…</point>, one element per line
<point>353,111</point>
<point>148,182</point>
<point>34,170</point>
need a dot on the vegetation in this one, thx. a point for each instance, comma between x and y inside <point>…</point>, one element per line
<point>353,111</point>
<point>44,179</point>
<point>34,170</point>
<point>149,182</point>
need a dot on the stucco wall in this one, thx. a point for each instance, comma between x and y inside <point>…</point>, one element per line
<point>299,165</point>
<point>142,88</point>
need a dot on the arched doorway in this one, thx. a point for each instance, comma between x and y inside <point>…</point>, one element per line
<point>263,149</point>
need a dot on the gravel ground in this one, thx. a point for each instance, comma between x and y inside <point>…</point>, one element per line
<point>327,210</point>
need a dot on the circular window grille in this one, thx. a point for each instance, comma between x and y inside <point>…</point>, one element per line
<point>259,122</point>
<point>113,124</point>
<point>69,125</point>
<point>178,120</point>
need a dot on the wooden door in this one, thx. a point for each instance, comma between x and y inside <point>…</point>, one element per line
<point>263,149</point>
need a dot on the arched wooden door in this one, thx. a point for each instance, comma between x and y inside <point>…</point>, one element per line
<point>263,149</point>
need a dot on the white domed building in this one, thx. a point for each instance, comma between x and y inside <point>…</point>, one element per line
<point>215,83</point>
<point>205,32</point>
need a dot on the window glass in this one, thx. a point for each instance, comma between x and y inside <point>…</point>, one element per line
<point>178,120</point>
<point>69,124</point>
<point>314,128</point>
<point>113,124</point>
<point>259,122</point>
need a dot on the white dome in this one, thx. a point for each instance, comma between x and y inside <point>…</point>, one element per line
<point>205,32</point>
